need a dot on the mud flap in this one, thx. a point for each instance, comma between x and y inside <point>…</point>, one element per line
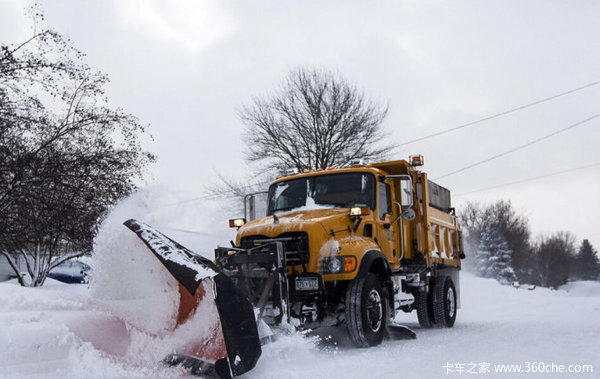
<point>236,315</point>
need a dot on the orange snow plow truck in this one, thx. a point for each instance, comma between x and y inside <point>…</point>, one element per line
<point>339,246</point>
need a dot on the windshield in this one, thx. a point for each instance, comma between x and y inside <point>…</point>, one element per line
<point>323,191</point>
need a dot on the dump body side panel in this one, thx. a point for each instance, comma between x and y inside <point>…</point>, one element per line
<point>437,230</point>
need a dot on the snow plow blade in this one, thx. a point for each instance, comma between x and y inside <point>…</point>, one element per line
<point>228,352</point>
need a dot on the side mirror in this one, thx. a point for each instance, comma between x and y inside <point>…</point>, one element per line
<point>406,192</point>
<point>254,209</point>
<point>409,214</point>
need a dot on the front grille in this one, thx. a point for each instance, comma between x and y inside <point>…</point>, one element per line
<point>295,247</point>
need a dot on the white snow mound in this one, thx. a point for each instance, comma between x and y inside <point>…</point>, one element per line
<point>583,288</point>
<point>127,275</point>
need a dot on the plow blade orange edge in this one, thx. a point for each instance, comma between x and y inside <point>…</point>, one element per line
<point>230,350</point>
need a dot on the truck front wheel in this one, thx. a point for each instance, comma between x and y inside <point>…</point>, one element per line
<point>366,311</point>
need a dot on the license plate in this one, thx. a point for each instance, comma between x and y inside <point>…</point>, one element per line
<point>307,284</point>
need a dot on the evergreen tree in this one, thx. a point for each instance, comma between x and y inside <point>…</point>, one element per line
<point>494,257</point>
<point>587,264</point>
<point>512,226</point>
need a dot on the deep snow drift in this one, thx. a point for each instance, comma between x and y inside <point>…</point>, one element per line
<point>61,330</point>
<point>121,324</point>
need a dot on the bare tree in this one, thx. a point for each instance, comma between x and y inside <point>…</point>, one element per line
<point>65,155</point>
<point>554,259</point>
<point>315,119</point>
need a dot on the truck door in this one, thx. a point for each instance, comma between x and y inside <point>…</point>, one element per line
<point>387,233</point>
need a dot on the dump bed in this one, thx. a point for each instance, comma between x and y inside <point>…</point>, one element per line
<point>440,239</point>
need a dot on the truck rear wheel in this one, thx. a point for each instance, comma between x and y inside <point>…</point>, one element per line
<point>444,310</point>
<point>424,305</point>
<point>366,311</point>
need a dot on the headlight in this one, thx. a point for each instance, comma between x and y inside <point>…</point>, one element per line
<point>334,266</point>
<point>338,265</point>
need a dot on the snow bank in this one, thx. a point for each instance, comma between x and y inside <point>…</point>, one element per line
<point>583,288</point>
<point>59,331</point>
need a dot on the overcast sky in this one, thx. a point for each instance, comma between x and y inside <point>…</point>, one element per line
<point>184,67</point>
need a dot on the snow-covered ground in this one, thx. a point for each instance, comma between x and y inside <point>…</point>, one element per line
<point>121,324</point>
<point>63,330</point>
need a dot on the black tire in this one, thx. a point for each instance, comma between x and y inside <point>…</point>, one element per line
<point>424,305</point>
<point>444,310</point>
<point>366,311</point>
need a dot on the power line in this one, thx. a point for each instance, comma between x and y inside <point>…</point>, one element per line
<point>519,147</point>
<point>501,113</point>
<point>529,179</point>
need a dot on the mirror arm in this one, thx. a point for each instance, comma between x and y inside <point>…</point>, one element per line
<point>399,213</point>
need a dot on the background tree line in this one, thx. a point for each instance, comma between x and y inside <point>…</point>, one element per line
<point>66,156</point>
<point>499,245</point>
